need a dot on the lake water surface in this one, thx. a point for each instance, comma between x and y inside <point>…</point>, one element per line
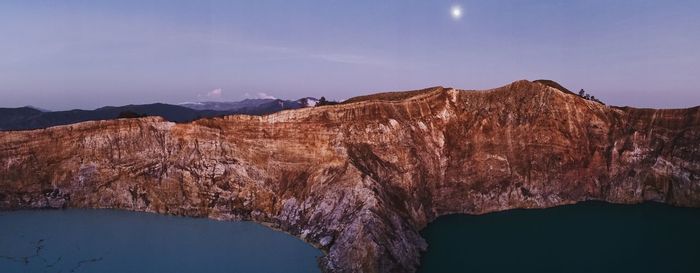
<point>78,240</point>
<point>588,237</point>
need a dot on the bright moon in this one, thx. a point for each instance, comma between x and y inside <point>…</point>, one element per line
<point>456,12</point>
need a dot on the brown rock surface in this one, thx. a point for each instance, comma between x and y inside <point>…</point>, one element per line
<point>360,179</point>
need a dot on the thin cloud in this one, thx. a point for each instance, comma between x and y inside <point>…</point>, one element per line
<point>259,95</point>
<point>290,52</point>
<point>215,94</point>
<point>262,95</point>
<point>349,59</point>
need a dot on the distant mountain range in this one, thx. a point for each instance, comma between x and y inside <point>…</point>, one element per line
<point>252,106</point>
<point>29,117</point>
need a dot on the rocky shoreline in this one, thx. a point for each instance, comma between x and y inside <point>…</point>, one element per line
<point>360,179</point>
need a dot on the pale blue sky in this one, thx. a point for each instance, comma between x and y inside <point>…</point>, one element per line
<point>87,54</point>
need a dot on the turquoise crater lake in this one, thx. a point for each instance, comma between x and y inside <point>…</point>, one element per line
<point>83,240</point>
<point>587,237</point>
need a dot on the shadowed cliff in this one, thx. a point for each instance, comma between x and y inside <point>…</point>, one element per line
<point>360,179</point>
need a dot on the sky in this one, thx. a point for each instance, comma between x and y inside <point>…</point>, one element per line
<point>62,55</point>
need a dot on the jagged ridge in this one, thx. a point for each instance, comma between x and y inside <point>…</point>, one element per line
<point>360,179</point>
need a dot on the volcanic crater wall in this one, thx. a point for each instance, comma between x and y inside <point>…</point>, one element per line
<point>360,179</point>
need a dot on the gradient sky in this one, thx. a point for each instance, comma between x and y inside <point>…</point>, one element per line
<point>86,54</point>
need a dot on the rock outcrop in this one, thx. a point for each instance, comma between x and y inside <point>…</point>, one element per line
<point>360,179</point>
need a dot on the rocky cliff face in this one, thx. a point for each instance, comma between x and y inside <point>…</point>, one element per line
<point>360,179</point>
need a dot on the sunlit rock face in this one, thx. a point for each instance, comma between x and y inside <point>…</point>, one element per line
<point>360,179</point>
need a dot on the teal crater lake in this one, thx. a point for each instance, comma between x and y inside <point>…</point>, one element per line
<point>586,237</point>
<point>101,240</point>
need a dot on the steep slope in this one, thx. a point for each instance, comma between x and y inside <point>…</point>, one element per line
<point>360,179</point>
<point>555,85</point>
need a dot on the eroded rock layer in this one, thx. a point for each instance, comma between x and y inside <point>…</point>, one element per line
<point>360,179</point>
